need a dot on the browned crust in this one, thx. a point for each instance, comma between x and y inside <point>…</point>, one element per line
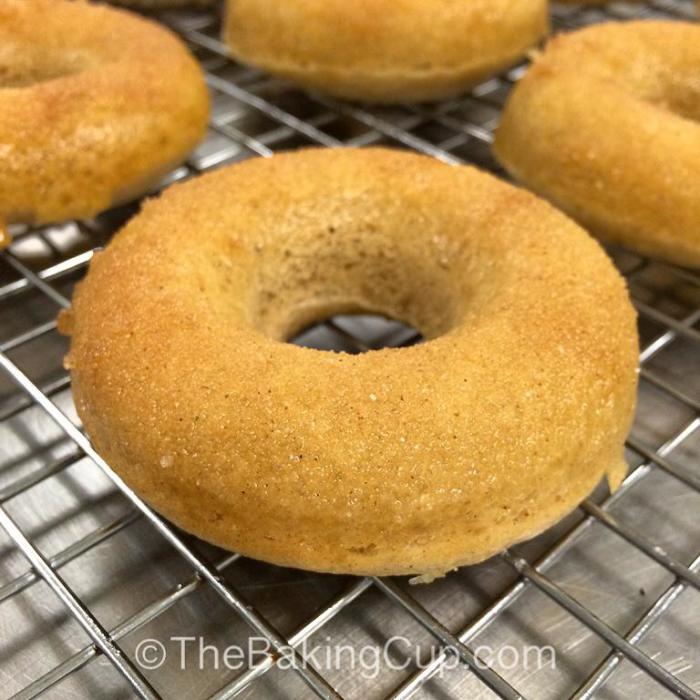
<point>398,461</point>
<point>390,51</point>
<point>605,124</point>
<point>112,101</point>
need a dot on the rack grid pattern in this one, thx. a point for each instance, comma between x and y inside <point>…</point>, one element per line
<point>255,115</point>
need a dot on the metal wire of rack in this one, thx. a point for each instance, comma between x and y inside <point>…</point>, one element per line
<point>615,588</point>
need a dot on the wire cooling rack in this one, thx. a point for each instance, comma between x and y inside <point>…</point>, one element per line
<point>88,574</point>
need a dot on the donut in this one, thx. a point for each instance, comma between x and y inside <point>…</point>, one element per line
<point>384,50</point>
<point>398,461</point>
<point>94,113</point>
<point>605,125</point>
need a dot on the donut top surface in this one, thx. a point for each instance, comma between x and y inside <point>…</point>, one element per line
<point>656,61</point>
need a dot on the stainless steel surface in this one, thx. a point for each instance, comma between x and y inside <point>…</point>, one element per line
<point>87,572</point>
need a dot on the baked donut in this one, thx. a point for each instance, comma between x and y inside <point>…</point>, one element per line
<point>605,125</point>
<point>94,113</point>
<point>384,50</point>
<point>398,461</point>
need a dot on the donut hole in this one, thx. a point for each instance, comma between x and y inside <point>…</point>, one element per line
<point>357,333</point>
<point>24,66</point>
<point>675,87</point>
<point>685,104</point>
<point>304,287</point>
<point>676,94</point>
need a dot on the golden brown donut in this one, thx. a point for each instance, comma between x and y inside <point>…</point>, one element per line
<point>384,50</point>
<point>100,108</point>
<point>399,461</point>
<point>605,124</point>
